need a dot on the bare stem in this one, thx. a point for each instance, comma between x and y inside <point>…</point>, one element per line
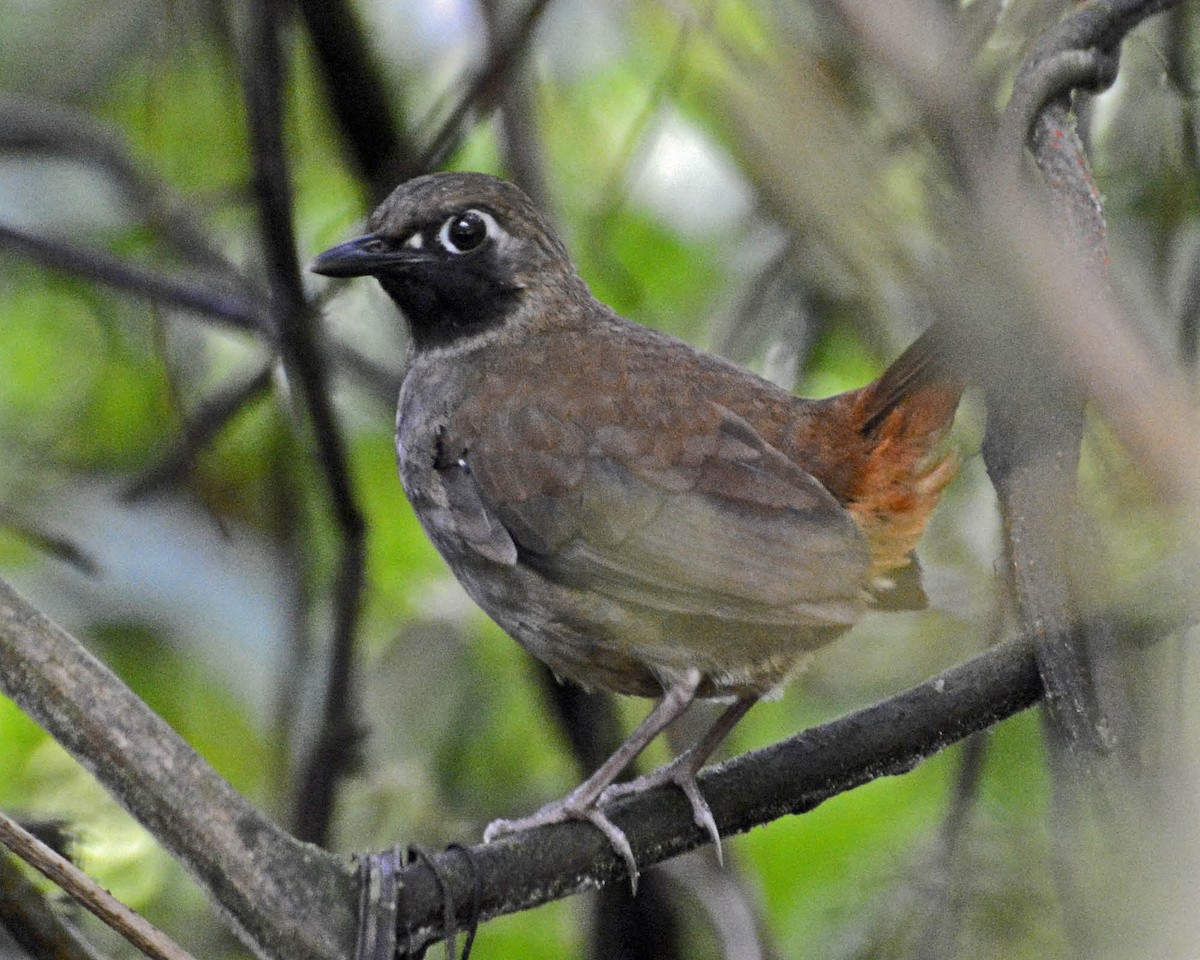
<point>83,889</point>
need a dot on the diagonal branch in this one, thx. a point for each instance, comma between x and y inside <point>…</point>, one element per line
<point>481,93</point>
<point>369,118</point>
<point>291,900</point>
<point>791,777</point>
<point>199,429</point>
<point>82,888</point>
<point>229,308</point>
<point>32,126</point>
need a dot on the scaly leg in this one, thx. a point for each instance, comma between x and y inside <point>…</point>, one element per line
<point>683,769</point>
<point>582,802</point>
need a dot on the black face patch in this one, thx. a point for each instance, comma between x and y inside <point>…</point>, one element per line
<point>447,299</point>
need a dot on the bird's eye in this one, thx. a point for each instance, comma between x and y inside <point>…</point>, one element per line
<point>467,231</point>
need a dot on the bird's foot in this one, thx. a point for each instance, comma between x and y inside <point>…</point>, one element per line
<point>567,809</point>
<point>682,772</point>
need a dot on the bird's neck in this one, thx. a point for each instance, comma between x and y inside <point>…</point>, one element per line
<point>441,317</point>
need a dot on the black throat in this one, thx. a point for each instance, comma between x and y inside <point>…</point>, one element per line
<point>443,305</point>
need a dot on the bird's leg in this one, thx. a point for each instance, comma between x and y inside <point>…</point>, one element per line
<point>582,802</point>
<point>683,769</point>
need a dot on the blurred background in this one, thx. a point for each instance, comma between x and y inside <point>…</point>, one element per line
<point>749,176</point>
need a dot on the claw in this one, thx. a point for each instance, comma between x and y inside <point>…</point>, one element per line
<point>701,812</point>
<point>681,773</point>
<point>562,811</point>
<point>497,829</point>
<point>618,841</point>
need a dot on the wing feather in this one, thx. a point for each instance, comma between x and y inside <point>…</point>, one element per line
<point>722,525</point>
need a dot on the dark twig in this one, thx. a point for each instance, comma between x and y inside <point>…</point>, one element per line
<point>520,144</point>
<point>229,308</point>
<point>790,777</point>
<point>198,431</point>
<point>1179,37</point>
<point>1189,316</point>
<point>333,753</point>
<point>370,119</point>
<point>482,91</point>
<point>381,382</point>
<point>941,916</point>
<point>30,126</point>
<point>55,544</point>
<point>614,194</point>
<point>84,890</point>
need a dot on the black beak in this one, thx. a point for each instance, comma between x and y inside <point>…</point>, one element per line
<point>361,257</point>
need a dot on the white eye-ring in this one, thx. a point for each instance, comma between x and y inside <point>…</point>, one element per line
<point>466,231</point>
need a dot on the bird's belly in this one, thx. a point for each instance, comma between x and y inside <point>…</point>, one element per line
<point>597,641</point>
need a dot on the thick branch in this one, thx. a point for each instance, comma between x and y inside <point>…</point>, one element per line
<point>270,886</point>
<point>1032,445</point>
<point>1035,395</point>
<point>1032,453</point>
<point>292,900</point>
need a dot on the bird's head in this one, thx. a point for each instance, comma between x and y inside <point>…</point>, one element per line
<point>457,252</point>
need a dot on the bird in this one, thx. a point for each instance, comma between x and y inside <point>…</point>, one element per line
<point>640,515</point>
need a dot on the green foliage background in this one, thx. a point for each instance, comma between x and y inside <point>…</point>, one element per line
<point>95,386</point>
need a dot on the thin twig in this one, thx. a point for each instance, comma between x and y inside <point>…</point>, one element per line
<point>1179,37</point>
<point>83,889</point>
<point>33,922</point>
<point>520,143</point>
<point>265,881</point>
<point>941,913</point>
<point>198,431</point>
<point>32,126</point>
<point>229,308</point>
<point>480,94</point>
<point>53,543</point>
